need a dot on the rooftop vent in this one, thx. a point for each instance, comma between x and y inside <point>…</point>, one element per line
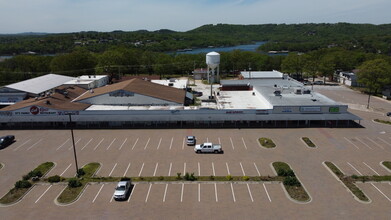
<point>307,91</point>
<point>277,93</point>
<point>298,91</point>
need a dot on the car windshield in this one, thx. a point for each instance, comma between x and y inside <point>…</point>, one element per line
<point>120,188</point>
<point>190,138</point>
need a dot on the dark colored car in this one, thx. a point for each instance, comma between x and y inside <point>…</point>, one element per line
<point>389,114</point>
<point>6,140</point>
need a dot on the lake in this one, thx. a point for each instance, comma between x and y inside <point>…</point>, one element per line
<point>244,47</point>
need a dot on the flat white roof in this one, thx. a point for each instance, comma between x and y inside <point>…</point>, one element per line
<point>121,107</point>
<point>40,84</point>
<point>91,77</point>
<point>176,83</point>
<point>241,100</point>
<point>261,74</point>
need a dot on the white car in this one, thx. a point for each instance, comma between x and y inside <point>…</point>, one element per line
<point>122,190</point>
<point>190,140</point>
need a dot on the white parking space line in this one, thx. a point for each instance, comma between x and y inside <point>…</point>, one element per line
<point>70,148</point>
<point>97,194</point>
<point>135,143</point>
<point>154,172</point>
<point>86,144</point>
<point>229,173</point>
<point>165,192</point>
<point>259,174</point>
<point>241,166</point>
<point>244,143</point>
<point>351,143</point>
<point>127,168</point>
<point>233,193</point>
<point>43,193</point>
<point>381,192</point>
<point>364,143</point>
<point>149,190</point>
<point>22,144</point>
<point>111,144</point>
<point>249,192</point>
<point>384,141</point>
<point>355,169</point>
<point>184,168</point>
<point>183,186</point>
<point>62,144</point>
<point>158,145</point>
<point>267,193</point>
<point>183,144</point>
<point>34,144</point>
<point>141,170</point>
<point>216,193</point>
<point>172,140</point>
<point>131,193</point>
<point>232,144</point>
<point>169,170</point>
<point>213,169</point>
<point>375,143</point>
<point>65,170</point>
<point>199,169</point>
<point>371,169</point>
<point>122,144</point>
<point>207,139</point>
<point>199,192</point>
<point>112,170</point>
<point>219,141</point>
<point>146,145</point>
<point>98,144</point>
<point>111,199</point>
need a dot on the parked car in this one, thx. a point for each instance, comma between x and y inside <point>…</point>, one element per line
<point>6,140</point>
<point>306,82</point>
<point>190,140</point>
<point>389,114</point>
<point>208,148</point>
<point>122,190</point>
<point>318,82</point>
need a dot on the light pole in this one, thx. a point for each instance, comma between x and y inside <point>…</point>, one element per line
<point>73,143</point>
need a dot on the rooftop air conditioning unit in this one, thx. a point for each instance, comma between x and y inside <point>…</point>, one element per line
<point>277,93</point>
<point>298,91</point>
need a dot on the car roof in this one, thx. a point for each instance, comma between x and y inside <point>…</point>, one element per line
<point>190,137</point>
<point>122,183</point>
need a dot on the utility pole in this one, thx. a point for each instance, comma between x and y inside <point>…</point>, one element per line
<point>73,143</point>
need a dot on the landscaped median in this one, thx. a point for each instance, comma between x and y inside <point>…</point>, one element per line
<point>267,142</point>
<point>292,185</point>
<point>24,185</point>
<point>348,181</point>
<point>383,121</point>
<point>308,142</point>
<point>77,184</point>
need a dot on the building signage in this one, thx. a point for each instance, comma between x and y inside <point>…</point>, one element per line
<point>310,109</point>
<point>5,113</point>
<point>334,109</point>
<point>36,110</point>
<point>234,112</point>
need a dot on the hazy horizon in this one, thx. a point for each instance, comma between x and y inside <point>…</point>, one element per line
<point>65,16</point>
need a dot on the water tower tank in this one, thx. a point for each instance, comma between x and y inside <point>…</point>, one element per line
<point>213,59</point>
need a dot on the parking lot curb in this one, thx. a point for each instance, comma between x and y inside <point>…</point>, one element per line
<point>72,202</point>
<point>347,189</point>
<point>381,164</point>
<point>19,200</point>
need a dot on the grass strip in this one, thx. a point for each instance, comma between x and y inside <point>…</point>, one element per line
<point>383,121</point>
<point>70,194</point>
<point>266,142</point>
<point>387,164</point>
<point>15,194</point>
<point>308,142</point>
<point>292,185</point>
<point>348,181</point>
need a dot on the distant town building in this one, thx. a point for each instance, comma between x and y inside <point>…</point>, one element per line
<point>89,81</point>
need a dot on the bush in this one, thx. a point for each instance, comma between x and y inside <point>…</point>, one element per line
<point>73,183</point>
<point>125,179</point>
<point>229,177</point>
<point>81,172</point>
<point>187,176</point>
<point>26,177</point>
<point>354,176</point>
<point>22,184</point>
<point>178,176</point>
<point>54,179</point>
<point>246,178</point>
<point>161,177</point>
<point>291,181</point>
<point>192,177</point>
<point>283,172</point>
<point>212,177</point>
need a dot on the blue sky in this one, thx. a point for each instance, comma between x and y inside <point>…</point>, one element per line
<point>181,15</point>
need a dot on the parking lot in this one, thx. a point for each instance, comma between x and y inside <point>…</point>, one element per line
<point>142,153</point>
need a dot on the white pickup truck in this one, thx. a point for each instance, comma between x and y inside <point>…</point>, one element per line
<point>208,148</point>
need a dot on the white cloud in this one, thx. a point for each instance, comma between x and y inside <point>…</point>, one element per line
<point>107,15</point>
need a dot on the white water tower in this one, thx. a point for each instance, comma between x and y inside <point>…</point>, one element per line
<point>213,62</point>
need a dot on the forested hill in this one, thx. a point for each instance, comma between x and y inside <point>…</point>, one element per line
<point>292,37</point>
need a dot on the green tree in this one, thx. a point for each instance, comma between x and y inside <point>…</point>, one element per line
<point>293,64</point>
<point>374,74</point>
